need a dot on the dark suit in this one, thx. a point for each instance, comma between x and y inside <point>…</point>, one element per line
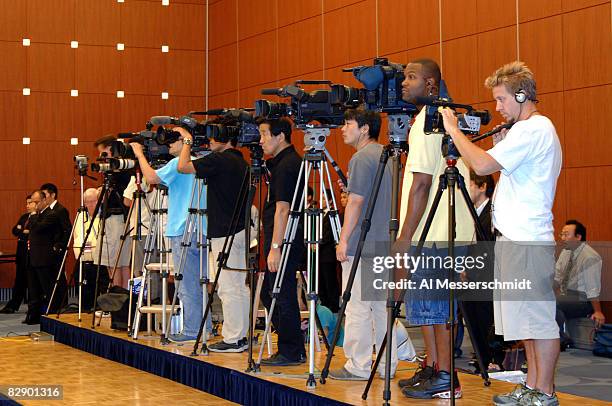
<point>64,218</point>
<point>45,242</point>
<point>21,278</point>
<point>329,286</point>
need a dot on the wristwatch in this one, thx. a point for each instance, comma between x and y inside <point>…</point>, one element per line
<point>187,141</point>
<point>275,245</point>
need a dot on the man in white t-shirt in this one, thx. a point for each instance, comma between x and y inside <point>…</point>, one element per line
<point>529,158</point>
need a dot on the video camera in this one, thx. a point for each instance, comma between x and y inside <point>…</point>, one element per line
<point>468,122</point>
<point>234,124</point>
<point>382,87</point>
<point>195,128</point>
<point>326,106</point>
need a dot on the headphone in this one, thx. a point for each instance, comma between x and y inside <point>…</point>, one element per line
<point>520,96</point>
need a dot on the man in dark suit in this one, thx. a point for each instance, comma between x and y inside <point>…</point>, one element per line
<point>21,230</point>
<point>44,248</point>
<point>478,305</point>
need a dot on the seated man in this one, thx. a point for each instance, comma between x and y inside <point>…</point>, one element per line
<point>577,279</point>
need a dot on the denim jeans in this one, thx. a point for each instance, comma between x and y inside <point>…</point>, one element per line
<point>189,289</point>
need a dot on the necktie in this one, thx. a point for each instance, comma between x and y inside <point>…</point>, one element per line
<point>567,273</point>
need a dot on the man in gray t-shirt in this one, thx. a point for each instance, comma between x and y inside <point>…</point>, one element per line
<point>360,130</point>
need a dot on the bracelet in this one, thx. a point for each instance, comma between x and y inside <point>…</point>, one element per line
<point>187,141</point>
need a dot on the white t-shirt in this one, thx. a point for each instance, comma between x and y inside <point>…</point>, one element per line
<point>530,156</point>
<point>425,156</point>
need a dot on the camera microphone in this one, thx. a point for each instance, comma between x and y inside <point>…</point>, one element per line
<point>426,100</point>
<point>271,92</point>
<point>163,120</point>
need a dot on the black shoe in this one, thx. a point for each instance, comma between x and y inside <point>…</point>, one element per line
<point>7,310</point>
<point>222,346</point>
<point>279,360</point>
<point>438,386</point>
<point>422,373</point>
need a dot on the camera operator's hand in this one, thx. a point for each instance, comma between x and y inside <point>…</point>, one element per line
<point>184,133</point>
<point>341,249</point>
<point>137,148</point>
<point>450,120</point>
<point>274,259</point>
<point>500,135</point>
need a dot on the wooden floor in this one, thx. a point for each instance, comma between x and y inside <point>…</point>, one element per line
<point>81,374</point>
<point>87,379</point>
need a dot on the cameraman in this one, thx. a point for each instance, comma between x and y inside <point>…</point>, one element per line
<point>115,219</point>
<point>529,158</point>
<point>224,170</point>
<point>425,307</point>
<point>285,168</point>
<point>179,187</point>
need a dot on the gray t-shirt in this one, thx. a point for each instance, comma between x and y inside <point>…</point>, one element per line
<point>362,171</point>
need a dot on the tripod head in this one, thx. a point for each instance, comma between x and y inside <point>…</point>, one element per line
<point>315,136</point>
<point>398,127</point>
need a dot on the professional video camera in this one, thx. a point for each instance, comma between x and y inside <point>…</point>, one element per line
<point>195,128</point>
<point>468,122</point>
<point>237,124</point>
<point>323,105</point>
<point>383,87</point>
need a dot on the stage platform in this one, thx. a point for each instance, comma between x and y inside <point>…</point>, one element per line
<point>223,375</point>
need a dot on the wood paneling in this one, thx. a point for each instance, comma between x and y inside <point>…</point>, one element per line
<point>136,110</point>
<point>12,207</point>
<point>13,68</point>
<point>96,115</point>
<point>569,5</point>
<point>136,61</point>
<point>552,106</point>
<point>430,52</point>
<point>392,17</point>
<point>183,28</point>
<point>492,14</point>
<point>329,5</point>
<point>49,117</point>
<point>586,144</point>
<point>13,106</point>
<point>296,11</point>
<point>49,161</point>
<point>98,69</point>
<point>12,177</point>
<point>225,100</point>
<point>257,57</point>
<point>51,20</point>
<point>460,69</point>
<point>222,19</point>
<point>495,48</point>
<point>142,23</point>
<point>255,17</point>
<point>51,67</point>
<point>98,22</point>
<point>539,45</point>
<point>223,69</point>
<point>458,18</point>
<point>186,72</point>
<point>587,47</point>
<point>533,9</point>
<point>300,51</point>
<point>13,27</point>
<point>362,41</point>
<point>423,23</point>
<point>336,38</point>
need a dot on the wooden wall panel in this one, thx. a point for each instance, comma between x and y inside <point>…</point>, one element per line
<point>186,72</point>
<point>12,177</point>
<point>97,69</point>
<point>495,48</point>
<point>256,17</point>
<point>585,141</point>
<point>183,28</point>
<point>392,17</point>
<point>224,100</point>
<point>136,110</point>
<point>587,47</point>
<point>51,20</point>
<point>458,18</point>
<point>329,5</point>
<point>13,68</point>
<point>570,5</point>
<point>295,57</point>
<point>534,9</point>
<point>492,14</point>
<point>429,51</point>
<point>460,69</point>
<point>13,105</point>
<point>422,23</point>
<point>51,67</point>
<point>540,44</point>
<point>136,61</point>
<point>49,161</point>
<point>258,59</point>
<point>11,208</point>
<point>297,11</point>
<point>142,23</point>
<point>223,70</point>
<point>222,19</point>
<point>552,106</point>
<point>49,117</point>
<point>96,115</point>
<point>13,27</point>
<point>98,22</point>
<point>336,38</point>
<point>362,41</point>
<point>179,105</point>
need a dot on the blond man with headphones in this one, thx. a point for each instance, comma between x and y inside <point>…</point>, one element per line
<point>529,158</point>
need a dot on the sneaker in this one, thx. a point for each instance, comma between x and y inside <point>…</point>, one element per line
<point>438,386</point>
<point>536,398</point>
<point>422,373</point>
<point>279,360</point>
<point>181,338</point>
<point>222,346</point>
<point>343,374</point>
<point>511,398</point>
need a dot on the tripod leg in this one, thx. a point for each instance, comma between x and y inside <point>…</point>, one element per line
<point>317,318</point>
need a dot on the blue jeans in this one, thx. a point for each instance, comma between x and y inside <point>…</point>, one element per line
<point>190,290</point>
<point>430,306</point>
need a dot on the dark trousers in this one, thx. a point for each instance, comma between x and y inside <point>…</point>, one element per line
<point>329,287</point>
<point>569,307</point>
<point>89,283</point>
<point>286,316</point>
<point>21,283</point>
<point>40,285</point>
<point>479,315</point>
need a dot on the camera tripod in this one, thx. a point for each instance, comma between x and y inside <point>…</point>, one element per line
<point>448,180</point>
<point>195,232</point>
<point>313,163</point>
<point>252,178</point>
